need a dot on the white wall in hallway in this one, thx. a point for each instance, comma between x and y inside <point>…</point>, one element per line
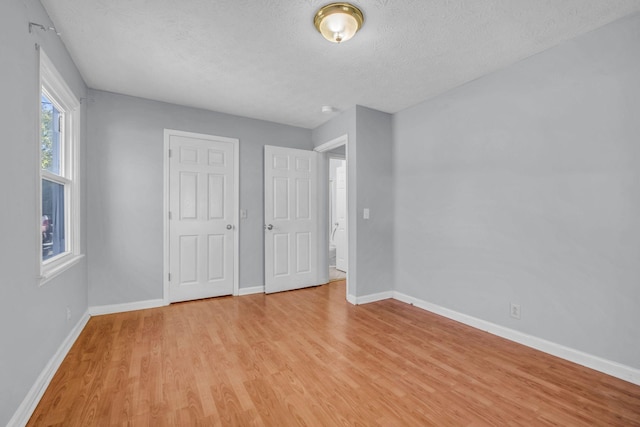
<point>333,165</point>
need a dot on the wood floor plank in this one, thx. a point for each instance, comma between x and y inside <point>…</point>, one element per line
<point>308,358</point>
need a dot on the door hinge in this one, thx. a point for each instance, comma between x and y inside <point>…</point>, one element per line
<point>170,153</point>
<point>169,214</point>
<point>169,276</point>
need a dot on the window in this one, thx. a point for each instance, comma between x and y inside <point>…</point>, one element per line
<point>59,224</point>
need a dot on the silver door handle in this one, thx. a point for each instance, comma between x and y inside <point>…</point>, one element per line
<point>229,227</point>
<point>268,227</point>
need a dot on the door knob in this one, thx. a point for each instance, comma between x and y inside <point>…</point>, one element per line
<point>268,227</point>
<point>229,226</point>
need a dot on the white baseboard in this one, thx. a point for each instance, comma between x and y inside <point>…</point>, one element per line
<point>98,310</point>
<point>608,367</point>
<point>366,299</point>
<point>31,400</point>
<point>351,299</point>
<point>251,290</point>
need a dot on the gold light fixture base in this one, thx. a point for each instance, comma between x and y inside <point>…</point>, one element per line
<point>338,22</point>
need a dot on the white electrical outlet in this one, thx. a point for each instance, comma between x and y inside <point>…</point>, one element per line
<point>68,314</point>
<point>515,311</point>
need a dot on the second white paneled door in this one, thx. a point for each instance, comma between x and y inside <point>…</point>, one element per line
<point>202,215</point>
<point>291,219</point>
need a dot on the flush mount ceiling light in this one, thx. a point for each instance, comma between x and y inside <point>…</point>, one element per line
<point>338,22</point>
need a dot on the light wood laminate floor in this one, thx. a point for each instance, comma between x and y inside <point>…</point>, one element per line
<point>309,358</point>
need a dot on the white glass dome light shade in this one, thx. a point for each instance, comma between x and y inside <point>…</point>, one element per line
<point>338,22</point>
<point>338,27</point>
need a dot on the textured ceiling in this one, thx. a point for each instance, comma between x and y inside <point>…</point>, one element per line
<point>264,59</point>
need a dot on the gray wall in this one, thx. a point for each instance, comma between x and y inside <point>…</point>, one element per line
<point>524,186</point>
<point>375,192</point>
<point>125,179</point>
<point>32,317</point>
<point>370,185</point>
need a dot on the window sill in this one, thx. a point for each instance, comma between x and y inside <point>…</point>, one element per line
<point>54,271</point>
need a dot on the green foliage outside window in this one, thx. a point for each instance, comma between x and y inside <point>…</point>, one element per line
<point>46,134</point>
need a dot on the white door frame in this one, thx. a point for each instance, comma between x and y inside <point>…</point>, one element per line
<point>350,218</point>
<point>236,206</point>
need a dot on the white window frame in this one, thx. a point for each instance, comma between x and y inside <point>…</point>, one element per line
<point>56,89</point>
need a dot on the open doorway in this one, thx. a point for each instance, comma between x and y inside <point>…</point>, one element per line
<point>336,149</point>
<point>338,253</point>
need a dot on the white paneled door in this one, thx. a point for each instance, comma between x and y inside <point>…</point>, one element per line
<point>202,215</point>
<point>291,219</point>
<point>341,218</point>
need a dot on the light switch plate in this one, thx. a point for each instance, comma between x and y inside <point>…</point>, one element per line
<point>365,213</point>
